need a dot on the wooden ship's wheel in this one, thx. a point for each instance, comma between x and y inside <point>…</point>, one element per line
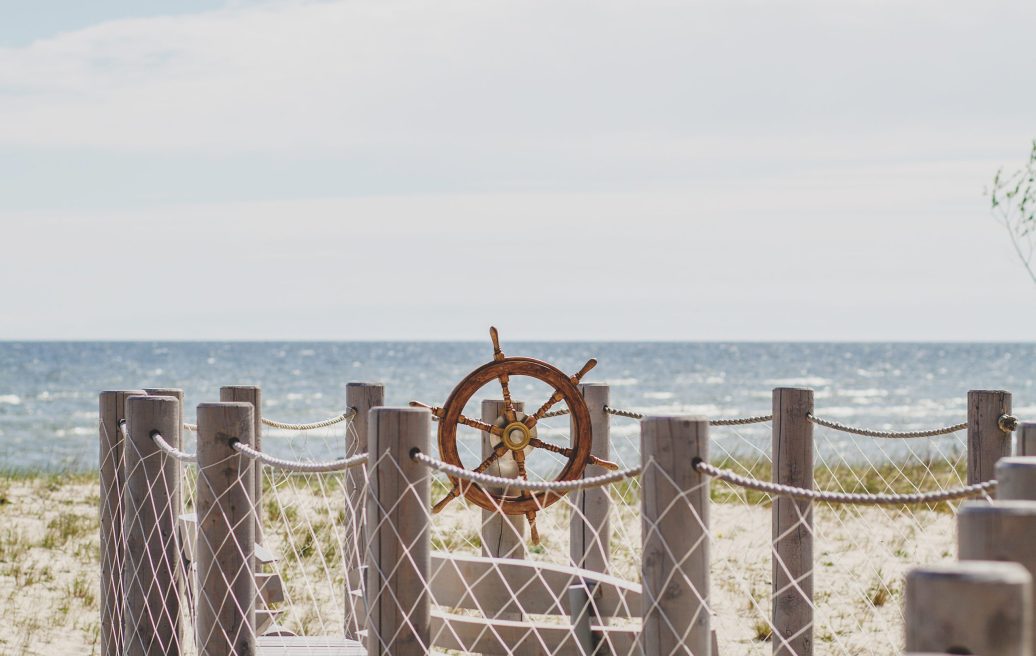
<point>515,433</point>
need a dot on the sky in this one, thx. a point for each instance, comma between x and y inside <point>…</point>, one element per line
<point>571,170</point>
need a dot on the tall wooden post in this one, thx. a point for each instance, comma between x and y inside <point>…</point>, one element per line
<point>225,547</point>
<point>1026,439</point>
<point>970,607</point>
<point>792,524</point>
<point>501,534</point>
<point>112,412</point>
<point>398,540</point>
<point>254,395</point>
<point>1001,530</point>
<point>675,523</point>
<point>359,397</point>
<point>590,528</point>
<point>1016,478</point>
<point>151,570</point>
<point>986,442</point>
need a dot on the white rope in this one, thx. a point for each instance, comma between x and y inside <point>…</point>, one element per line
<point>854,498</point>
<point>534,486</point>
<point>330,421</point>
<point>945,430</point>
<point>733,421</point>
<point>297,465</point>
<point>171,450</point>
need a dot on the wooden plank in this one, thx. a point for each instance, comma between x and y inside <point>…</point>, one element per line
<point>226,532</point>
<point>151,570</point>
<point>524,638</point>
<point>360,397</point>
<point>307,646</point>
<point>590,529</point>
<point>674,533</point>
<point>112,410</point>
<point>269,587</point>
<point>494,585</point>
<point>792,526</point>
<point>398,509</point>
<point>986,442</point>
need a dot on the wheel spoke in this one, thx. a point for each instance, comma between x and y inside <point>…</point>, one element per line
<point>534,534</point>
<point>498,451</point>
<point>567,452</point>
<point>445,501</point>
<point>531,420</point>
<point>474,423</point>
<point>498,355</point>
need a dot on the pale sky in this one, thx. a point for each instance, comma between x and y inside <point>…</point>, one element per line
<point>394,169</point>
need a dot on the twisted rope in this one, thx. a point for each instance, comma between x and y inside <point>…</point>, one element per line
<point>297,465</point>
<point>535,486</point>
<point>945,430</point>
<point>171,450</point>
<point>854,498</point>
<point>733,421</point>
<point>330,421</point>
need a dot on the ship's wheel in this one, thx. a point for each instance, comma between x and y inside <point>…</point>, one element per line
<point>514,433</point>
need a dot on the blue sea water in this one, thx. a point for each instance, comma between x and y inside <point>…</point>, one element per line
<point>48,390</point>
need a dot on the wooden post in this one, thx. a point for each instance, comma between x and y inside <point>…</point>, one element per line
<point>1016,478</point>
<point>151,569</point>
<point>112,412</point>
<point>590,530</point>
<point>970,607</point>
<point>254,395</point>
<point>792,524</point>
<point>675,523</point>
<point>398,541</point>
<point>1001,530</point>
<point>226,531</point>
<point>1026,439</point>
<point>986,442</point>
<point>501,534</point>
<point>360,397</point>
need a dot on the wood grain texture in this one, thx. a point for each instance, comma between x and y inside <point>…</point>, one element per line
<point>1016,478</point>
<point>986,442</point>
<point>590,529</point>
<point>112,410</point>
<point>152,573</point>
<point>792,523</point>
<point>970,607</point>
<point>479,635</point>
<point>398,603</point>
<point>254,395</point>
<point>675,521</point>
<point>225,546</point>
<point>360,397</point>
<point>1026,439</point>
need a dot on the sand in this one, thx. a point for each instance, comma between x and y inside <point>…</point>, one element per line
<point>49,563</point>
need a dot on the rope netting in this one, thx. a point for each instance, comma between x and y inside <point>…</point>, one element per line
<point>501,583</point>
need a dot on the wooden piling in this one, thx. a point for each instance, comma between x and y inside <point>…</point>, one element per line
<point>1026,439</point>
<point>254,395</point>
<point>501,534</point>
<point>1001,530</point>
<point>112,411</point>
<point>398,541</point>
<point>225,547</point>
<point>987,443</point>
<point>792,523</point>
<point>970,607</point>
<point>151,569</point>
<point>675,524</point>
<point>589,528</point>
<point>360,398</point>
<point>1016,478</point>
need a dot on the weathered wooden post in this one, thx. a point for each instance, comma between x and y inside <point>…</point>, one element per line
<point>501,534</point>
<point>1016,478</point>
<point>225,547</point>
<point>792,523</point>
<point>360,398</point>
<point>151,570</point>
<point>987,443</point>
<point>398,540</point>
<point>970,607</point>
<point>1001,530</point>
<point>675,524</point>
<point>590,529</point>
<point>254,395</point>
<point>1026,445</point>
<point>112,412</point>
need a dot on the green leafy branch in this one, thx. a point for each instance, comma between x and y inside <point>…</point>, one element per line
<point>1013,203</point>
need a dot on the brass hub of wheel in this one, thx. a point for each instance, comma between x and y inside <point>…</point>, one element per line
<point>517,436</point>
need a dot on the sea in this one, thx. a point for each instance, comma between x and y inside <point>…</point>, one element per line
<point>49,390</point>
